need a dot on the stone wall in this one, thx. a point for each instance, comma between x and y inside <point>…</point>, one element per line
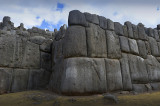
<point>93,55</point>
<point>25,57</point>
<point>97,55</point>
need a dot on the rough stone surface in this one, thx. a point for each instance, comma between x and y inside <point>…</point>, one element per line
<point>140,88</point>
<point>124,44</point>
<point>103,22</point>
<point>142,48</point>
<point>114,76</point>
<point>46,46</point>
<point>125,30</point>
<point>113,45</point>
<point>110,25</point>
<point>150,32</point>
<point>74,44</point>
<point>141,32</point>
<point>92,18</point>
<point>135,31</point>
<point>126,78</point>
<point>133,46</point>
<point>153,46</point>
<point>118,28</point>
<point>129,28</point>
<point>76,18</point>
<point>96,41</point>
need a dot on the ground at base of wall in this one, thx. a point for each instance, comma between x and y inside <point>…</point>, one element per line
<point>46,98</point>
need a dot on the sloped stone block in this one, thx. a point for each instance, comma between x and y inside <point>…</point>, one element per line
<point>103,22</point>
<point>155,86</point>
<point>46,61</point>
<point>96,41</point>
<point>74,44</point>
<point>113,75</point>
<point>113,45</point>
<point>84,75</point>
<point>142,48</point>
<point>76,18</point>
<point>124,44</point>
<point>5,80</point>
<point>126,78</point>
<point>118,28</point>
<point>92,18</point>
<point>138,70</point>
<point>135,31</point>
<point>141,32</point>
<point>125,30</point>
<point>153,46</point>
<point>133,46</point>
<point>110,25</point>
<point>46,46</point>
<point>140,88</point>
<point>129,28</point>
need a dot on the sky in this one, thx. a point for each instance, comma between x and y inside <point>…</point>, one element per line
<point>51,14</point>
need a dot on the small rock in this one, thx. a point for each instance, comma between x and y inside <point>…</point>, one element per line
<point>111,97</point>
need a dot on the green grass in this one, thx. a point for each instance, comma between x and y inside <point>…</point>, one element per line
<point>45,98</point>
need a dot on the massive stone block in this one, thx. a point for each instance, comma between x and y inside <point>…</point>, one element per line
<point>92,18</point>
<point>83,75</point>
<point>153,67</point>
<point>140,88</point>
<point>153,46</point>
<point>113,45</point>
<point>31,57</point>
<point>20,80</point>
<point>113,75</point>
<point>129,28</point>
<point>46,46</point>
<point>124,44</point>
<point>156,35</point>
<point>103,22</point>
<point>133,46</point>
<point>110,25</point>
<point>96,41</point>
<point>37,39</point>
<point>148,48</point>
<point>125,30</point>
<point>150,32</point>
<point>138,70</point>
<point>74,43</point>
<point>5,80</point>
<point>7,44</point>
<point>118,28</point>
<point>135,31</point>
<point>38,79</point>
<point>76,18</point>
<point>141,32</point>
<point>126,78</point>
<point>142,48</point>
<point>46,62</point>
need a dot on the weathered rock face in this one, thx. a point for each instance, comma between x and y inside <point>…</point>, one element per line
<point>25,58</point>
<point>97,55</point>
<point>93,55</point>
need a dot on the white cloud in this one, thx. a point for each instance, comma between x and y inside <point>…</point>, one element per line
<point>127,10</point>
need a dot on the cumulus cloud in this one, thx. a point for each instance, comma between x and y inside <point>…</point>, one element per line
<point>55,12</point>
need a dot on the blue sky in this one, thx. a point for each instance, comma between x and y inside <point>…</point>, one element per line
<point>50,14</point>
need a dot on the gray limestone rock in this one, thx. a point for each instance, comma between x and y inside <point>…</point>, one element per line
<point>96,41</point>
<point>156,35</point>
<point>150,32</point>
<point>138,70</point>
<point>158,27</point>
<point>155,86</point>
<point>46,61</point>
<point>125,30</point>
<point>126,78</point>
<point>113,45</point>
<point>140,88</point>
<point>5,79</point>
<point>113,75</point>
<point>148,48</point>
<point>74,44</point>
<point>76,18</point>
<point>20,80</point>
<point>141,32</point>
<point>153,67</point>
<point>135,31</point>
<point>111,97</point>
<point>31,57</point>
<point>103,22</point>
<point>124,44</point>
<point>142,48</point>
<point>110,25</point>
<point>92,18</point>
<point>37,39</point>
<point>38,79</point>
<point>83,75</point>
<point>46,46</point>
<point>133,46</point>
<point>129,28</point>
<point>153,46</point>
<point>118,28</point>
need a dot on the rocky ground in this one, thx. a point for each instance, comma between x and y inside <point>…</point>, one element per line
<point>46,98</point>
